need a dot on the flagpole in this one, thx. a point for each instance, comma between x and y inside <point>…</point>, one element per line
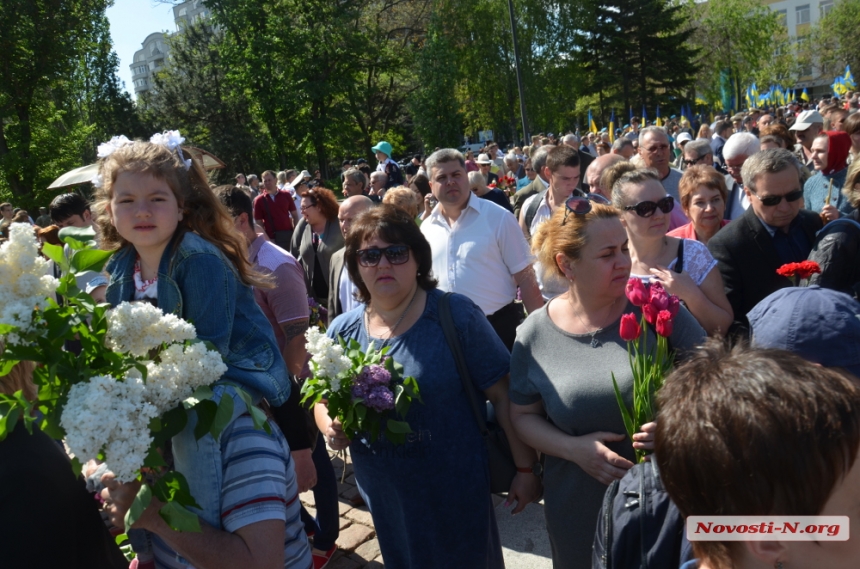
<point>519,77</point>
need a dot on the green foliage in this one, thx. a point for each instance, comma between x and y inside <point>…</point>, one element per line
<point>59,93</point>
<point>742,37</point>
<point>833,42</point>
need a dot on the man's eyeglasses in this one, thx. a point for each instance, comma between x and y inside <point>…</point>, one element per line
<point>657,148</point>
<point>647,209</point>
<point>581,205</point>
<point>396,255</point>
<point>776,200</point>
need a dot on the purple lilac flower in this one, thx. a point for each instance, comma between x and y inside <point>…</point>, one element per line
<point>370,377</point>
<point>380,398</point>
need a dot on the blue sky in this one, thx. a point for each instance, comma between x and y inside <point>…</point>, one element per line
<point>130,22</point>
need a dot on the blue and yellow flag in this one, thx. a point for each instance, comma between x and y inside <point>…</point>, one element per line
<point>848,79</point>
<point>804,96</point>
<point>658,121</point>
<point>612,127</point>
<point>591,126</point>
<point>644,117</point>
<point>684,116</point>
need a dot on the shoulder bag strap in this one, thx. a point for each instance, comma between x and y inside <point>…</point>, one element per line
<point>450,331</point>
<point>679,264</point>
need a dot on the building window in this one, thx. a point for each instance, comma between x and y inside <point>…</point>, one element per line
<point>824,8</point>
<point>806,71</point>
<point>802,14</point>
<point>781,17</point>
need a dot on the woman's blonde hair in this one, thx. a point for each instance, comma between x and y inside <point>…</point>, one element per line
<point>403,198</point>
<point>566,235</point>
<point>202,212</point>
<point>852,178</point>
<point>20,378</point>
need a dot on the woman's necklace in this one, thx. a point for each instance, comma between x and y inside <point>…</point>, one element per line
<point>393,329</point>
<point>595,343</point>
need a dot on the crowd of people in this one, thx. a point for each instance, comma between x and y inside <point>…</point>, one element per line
<point>537,245</point>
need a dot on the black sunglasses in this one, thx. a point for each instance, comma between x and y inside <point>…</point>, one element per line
<point>396,255</point>
<point>581,205</point>
<point>692,162</point>
<point>775,200</point>
<point>647,209</point>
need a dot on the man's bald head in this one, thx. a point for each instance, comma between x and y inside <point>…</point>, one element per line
<point>595,170</point>
<point>350,209</point>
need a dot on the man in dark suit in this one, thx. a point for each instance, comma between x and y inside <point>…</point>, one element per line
<point>537,185</point>
<point>340,287</point>
<point>772,232</point>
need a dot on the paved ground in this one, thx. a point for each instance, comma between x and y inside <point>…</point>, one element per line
<point>524,537</point>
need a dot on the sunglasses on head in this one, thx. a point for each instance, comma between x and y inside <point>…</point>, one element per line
<point>647,209</point>
<point>581,205</point>
<point>775,200</point>
<point>396,255</point>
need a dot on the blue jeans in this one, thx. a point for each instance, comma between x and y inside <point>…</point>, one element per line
<point>326,526</point>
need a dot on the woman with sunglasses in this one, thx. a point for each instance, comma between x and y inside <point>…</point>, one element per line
<point>430,497</point>
<point>316,238</point>
<point>562,399</point>
<point>684,267</point>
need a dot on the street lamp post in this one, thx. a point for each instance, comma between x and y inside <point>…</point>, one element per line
<point>519,76</point>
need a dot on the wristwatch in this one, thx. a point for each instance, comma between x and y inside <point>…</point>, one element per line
<point>536,469</point>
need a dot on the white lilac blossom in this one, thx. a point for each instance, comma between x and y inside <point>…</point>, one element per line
<point>110,415</point>
<point>328,357</point>
<point>24,282</point>
<point>181,371</point>
<point>107,148</point>
<point>138,327</point>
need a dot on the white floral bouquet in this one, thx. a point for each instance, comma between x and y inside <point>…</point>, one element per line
<point>365,390</point>
<point>127,392</point>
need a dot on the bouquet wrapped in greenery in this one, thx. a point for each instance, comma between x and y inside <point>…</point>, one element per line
<point>364,390</point>
<point>129,390</point>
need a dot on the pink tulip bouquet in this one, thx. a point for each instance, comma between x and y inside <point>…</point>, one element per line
<point>649,366</point>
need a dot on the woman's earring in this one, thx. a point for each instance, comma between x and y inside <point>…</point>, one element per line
<point>777,565</point>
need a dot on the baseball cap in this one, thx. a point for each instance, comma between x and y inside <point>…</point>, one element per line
<point>684,137</point>
<point>807,118</point>
<point>818,324</point>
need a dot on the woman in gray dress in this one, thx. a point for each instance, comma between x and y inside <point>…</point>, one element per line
<point>562,399</point>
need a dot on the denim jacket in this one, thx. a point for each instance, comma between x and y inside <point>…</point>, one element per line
<point>197,283</point>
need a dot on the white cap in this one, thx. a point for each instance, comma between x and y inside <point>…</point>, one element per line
<point>483,159</point>
<point>807,118</point>
<point>684,137</point>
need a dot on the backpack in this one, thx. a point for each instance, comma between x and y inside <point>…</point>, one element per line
<point>638,526</point>
<point>531,211</point>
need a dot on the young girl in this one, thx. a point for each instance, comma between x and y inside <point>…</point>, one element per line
<point>177,248</point>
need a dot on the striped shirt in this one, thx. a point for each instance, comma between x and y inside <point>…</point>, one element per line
<point>258,484</point>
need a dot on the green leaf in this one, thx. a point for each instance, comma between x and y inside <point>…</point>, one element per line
<point>90,260</point>
<point>625,413</point>
<point>180,518</point>
<point>153,458</point>
<point>173,487</point>
<point>202,392</point>
<point>257,416</point>
<point>9,413</point>
<point>171,424</point>
<point>56,254</point>
<point>78,237</point>
<point>222,417</point>
<point>120,538</point>
<point>398,426</point>
<point>206,411</point>
<point>141,501</point>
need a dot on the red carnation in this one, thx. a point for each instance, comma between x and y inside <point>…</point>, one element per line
<point>806,269</point>
<point>788,270</point>
<point>630,328</point>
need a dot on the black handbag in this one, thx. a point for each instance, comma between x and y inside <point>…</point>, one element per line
<point>501,461</point>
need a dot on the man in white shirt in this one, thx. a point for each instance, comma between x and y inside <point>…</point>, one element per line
<point>562,169</point>
<point>341,293</point>
<point>478,249</point>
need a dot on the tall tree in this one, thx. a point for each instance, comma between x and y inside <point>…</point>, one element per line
<point>192,94</point>
<point>740,39</point>
<point>34,59</point>
<point>834,42</point>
